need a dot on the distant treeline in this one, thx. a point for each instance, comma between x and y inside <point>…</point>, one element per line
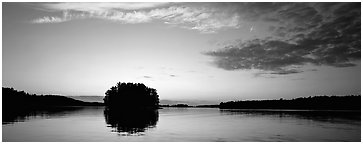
<point>207,106</point>
<point>13,99</point>
<point>185,105</point>
<point>19,104</point>
<point>352,102</point>
<point>176,105</point>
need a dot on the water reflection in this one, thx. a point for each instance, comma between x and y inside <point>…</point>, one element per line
<point>22,115</point>
<point>324,116</point>
<point>131,122</point>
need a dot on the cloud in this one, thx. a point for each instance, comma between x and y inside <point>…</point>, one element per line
<point>147,77</point>
<point>202,18</point>
<point>88,6</point>
<point>198,18</point>
<point>309,33</point>
<point>49,20</point>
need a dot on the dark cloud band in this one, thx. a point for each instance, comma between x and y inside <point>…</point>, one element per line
<point>319,40</point>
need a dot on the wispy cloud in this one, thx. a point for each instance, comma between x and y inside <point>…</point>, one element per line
<point>49,19</point>
<point>147,77</point>
<point>203,19</point>
<point>315,33</point>
<point>92,6</point>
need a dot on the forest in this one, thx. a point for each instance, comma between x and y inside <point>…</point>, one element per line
<point>19,104</point>
<point>14,99</point>
<point>351,102</point>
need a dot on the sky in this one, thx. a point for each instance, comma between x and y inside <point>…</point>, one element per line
<point>187,51</point>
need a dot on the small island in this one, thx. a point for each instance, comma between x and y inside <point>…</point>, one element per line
<point>131,108</point>
<point>131,96</point>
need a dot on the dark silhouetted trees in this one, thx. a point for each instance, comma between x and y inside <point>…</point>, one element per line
<point>19,104</point>
<point>315,103</point>
<point>20,100</point>
<point>176,105</point>
<point>131,95</point>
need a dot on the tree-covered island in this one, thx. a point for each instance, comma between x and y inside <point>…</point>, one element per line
<point>131,96</point>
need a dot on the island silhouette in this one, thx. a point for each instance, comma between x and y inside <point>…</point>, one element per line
<point>131,96</point>
<point>131,108</point>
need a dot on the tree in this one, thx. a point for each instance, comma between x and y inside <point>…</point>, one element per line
<point>131,95</point>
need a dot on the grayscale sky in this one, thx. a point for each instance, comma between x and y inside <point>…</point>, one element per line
<point>187,51</point>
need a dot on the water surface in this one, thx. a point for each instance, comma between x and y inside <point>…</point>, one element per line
<point>182,124</point>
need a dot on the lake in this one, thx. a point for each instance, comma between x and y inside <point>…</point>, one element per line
<point>182,125</point>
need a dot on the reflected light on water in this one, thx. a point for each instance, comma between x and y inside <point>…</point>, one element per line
<point>131,122</point>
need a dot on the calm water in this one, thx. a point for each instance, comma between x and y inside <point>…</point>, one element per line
<point>181,124</point>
